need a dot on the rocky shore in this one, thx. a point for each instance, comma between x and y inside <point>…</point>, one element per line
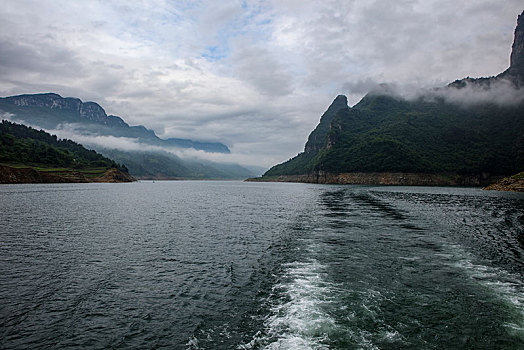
<point>403,179</point>
<point>11,175</point>
<point>513,183</point>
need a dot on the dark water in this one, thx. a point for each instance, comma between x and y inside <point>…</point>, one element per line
<point>231,265</point>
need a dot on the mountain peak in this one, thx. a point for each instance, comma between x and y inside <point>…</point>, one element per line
<point>517,50</point>
<point>339,102</point>
<point>317,138</point>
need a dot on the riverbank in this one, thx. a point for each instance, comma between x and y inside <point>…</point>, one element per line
<point>29,174</point>
<point>513,183</point>
<point>403,179</point>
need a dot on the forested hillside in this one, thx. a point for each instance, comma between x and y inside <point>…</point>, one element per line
<point>20,144</point>
<point>472,127</point>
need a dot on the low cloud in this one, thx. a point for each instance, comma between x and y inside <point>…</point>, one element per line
<point>72,131</point>
<point>467,92</point>
<point>501,92</point>
<point>361,86</point>
<point>6,116</point>
<point>129,144</point>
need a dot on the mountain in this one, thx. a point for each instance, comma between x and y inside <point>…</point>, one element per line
<point>164,165</point>
<point>49,110</point>
<point>29,155</point>
<point>515,72</point>
<point>468,132</point>
<point>150,158</point>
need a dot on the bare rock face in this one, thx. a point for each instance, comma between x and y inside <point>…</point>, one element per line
<point>515,72</point>
<point>88,111</point>
<point>317,138</point>
<point>517,50</point>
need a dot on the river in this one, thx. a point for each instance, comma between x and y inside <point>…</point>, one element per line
<point>234,265</point>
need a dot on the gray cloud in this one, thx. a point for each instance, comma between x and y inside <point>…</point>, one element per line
<point>36,60</point>
<point>255,75</point>
<point>257,66</point>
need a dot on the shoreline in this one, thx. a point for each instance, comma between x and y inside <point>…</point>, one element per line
<point>28,175</point>
<point>385,178</point>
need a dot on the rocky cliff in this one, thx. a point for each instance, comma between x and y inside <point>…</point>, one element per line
<point>517,50</point>
<point>317,138</point>
<point>515,72</point>
<point>89,111</point>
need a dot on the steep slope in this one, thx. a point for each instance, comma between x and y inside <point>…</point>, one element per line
<point>515,72</point>
<point>29,155</point>
<point>317,138</point>
<point>473,128</point>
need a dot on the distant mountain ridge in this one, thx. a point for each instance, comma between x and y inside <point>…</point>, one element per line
<point>150,157</point>
<point>50,109</point>
<point>470,132</point>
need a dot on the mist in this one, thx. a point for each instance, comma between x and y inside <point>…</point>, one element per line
<point>467,92</point>
<point>72,131</point>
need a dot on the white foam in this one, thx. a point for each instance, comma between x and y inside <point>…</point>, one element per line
<point>298,319</point>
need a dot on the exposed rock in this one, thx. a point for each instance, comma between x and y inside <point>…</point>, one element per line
<point>10,175</point>
<point>317,138</point>
<point>402,179</point>
<point>513,183</point>
<point>515,72</point>
<point>517,50</point>
<point>115,175</point>
<point>87,110</point>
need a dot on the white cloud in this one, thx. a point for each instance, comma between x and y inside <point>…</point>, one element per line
<point>500,92</point>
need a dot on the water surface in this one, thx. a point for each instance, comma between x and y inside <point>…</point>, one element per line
<point>225,265</point>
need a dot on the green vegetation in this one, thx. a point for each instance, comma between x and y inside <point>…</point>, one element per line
<point>519,176</point>
<point>163,165</point>
<point>389,134</point>
<point>429,135</point>
<point>22,146</point>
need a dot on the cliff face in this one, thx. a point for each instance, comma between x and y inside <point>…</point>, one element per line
<point>517,50</point>
<point>89,111</point>
<point>318,137</point>
<point>515,72</point>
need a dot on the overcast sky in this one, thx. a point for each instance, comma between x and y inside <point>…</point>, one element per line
<point>255,75</point>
